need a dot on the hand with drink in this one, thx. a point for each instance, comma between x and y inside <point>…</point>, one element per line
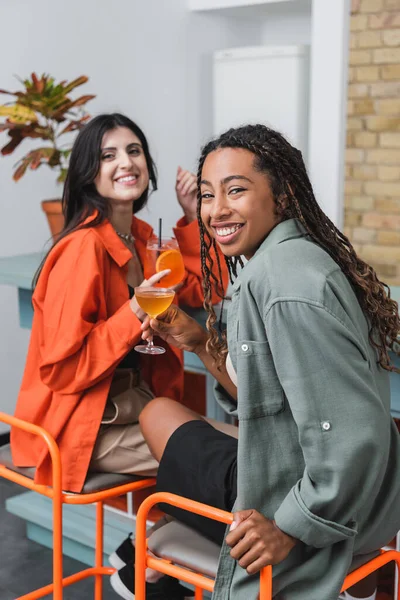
<point>177,329</point>
<point>153,301</point>
<point>150,300</point>
<point>146,283</point>
<point>164,271</point>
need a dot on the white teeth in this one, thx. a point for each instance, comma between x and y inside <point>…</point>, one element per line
<point>127,178</point>
<point>223,231</point>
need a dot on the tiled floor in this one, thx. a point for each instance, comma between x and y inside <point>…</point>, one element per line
<point>25,565</point>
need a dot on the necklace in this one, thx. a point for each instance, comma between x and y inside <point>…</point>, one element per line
<point>128,237</point>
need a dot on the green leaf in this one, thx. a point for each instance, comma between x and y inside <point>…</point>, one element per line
<point>62,176</point>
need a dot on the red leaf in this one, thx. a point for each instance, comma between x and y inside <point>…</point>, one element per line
<point>74,125</point>
<point>34,131</point>
<point>79,81</point>
<point>71,104</point>
<point>20,171</point>
<point>35,160</point>
<point>41,154</point>
<point>83,100</point>
<point>12,144</point>
<point>41,84</point>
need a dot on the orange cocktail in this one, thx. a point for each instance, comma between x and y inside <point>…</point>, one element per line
<point>153,301</point>
<point>164,256</point>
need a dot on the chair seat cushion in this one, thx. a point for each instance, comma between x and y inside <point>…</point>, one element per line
<point>186,547</point>
<point>95,482</point>
<point>6,460</point>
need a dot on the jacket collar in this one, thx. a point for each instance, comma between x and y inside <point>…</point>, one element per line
<point>286,230</point>
<point>113,243</point>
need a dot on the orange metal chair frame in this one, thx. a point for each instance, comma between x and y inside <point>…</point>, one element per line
<point>59,497</point>
<point>201,582</point>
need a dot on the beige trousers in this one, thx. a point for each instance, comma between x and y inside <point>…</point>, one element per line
<point>121,448</point>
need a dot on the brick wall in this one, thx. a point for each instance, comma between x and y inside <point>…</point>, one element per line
<point>372,188</point>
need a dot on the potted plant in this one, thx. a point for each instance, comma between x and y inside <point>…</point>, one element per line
<point>44,110</point>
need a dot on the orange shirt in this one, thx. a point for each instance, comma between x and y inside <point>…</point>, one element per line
<point>82,327</point>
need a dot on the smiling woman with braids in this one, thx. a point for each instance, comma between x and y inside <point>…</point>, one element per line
<point>314,479</point>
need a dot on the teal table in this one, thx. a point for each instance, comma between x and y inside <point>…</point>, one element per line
<point>18,271</point>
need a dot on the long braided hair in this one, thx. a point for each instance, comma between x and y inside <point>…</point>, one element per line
<point>286,171</point>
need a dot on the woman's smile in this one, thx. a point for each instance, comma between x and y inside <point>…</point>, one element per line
<point>225,233</point>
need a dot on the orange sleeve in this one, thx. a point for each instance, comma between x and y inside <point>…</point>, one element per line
<point>191,293</point>
<point>76,348</point>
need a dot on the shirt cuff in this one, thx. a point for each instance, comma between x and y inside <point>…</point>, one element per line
<point>126,325</point>
<point>188,236</point>
<point>225,400</point>
<point>183,223</point>
<point>295,519</point>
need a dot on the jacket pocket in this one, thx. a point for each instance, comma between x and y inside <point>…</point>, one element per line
<point>260,393</point>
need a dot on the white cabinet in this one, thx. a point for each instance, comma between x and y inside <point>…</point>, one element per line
<point>263,84</point>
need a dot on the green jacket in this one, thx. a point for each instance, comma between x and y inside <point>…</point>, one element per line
<point>318,449</point>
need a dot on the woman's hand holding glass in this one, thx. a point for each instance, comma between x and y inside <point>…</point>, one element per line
<point>178,329</point>
<point>139,312</point>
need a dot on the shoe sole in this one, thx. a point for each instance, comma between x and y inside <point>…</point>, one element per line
<point>119,587</point>
<point>115,561</point>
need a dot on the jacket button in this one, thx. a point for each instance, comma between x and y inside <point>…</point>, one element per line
<point>326,425</point>
<point>245,347</point>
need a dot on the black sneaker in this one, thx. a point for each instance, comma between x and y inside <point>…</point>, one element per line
<point>123,555</point>
<point>166,588</point>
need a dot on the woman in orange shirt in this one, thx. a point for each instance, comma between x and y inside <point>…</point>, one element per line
<point>83,382</point>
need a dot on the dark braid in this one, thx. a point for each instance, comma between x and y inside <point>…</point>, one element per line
<point>216,344</point>
<point>286,171</point>
<point>232,263</point>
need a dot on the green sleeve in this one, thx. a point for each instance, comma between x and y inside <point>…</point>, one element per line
<point>332,394</point>
<point>225,400</point>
